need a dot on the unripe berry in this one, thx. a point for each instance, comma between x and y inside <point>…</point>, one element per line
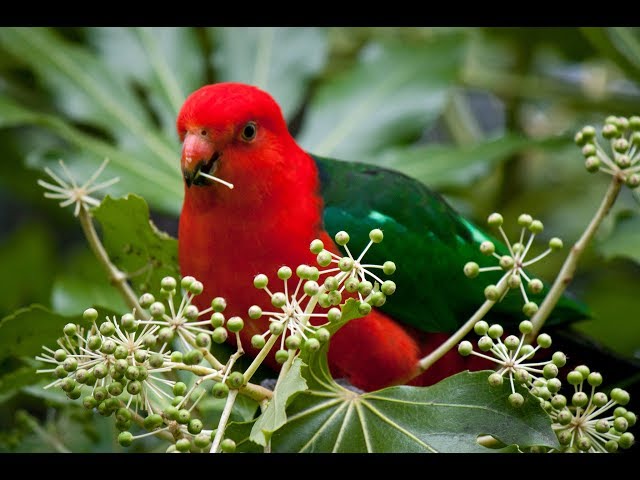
<point>471,269</point>
<point>376,235</point>
<point>316,246</point>
<point>495,220</point>
<point>342,238</point>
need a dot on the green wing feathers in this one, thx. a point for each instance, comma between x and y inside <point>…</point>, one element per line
<point>429,242</point>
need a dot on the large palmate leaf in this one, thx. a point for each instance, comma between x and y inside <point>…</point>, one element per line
<point>446,417</point>
<point>279,60</point>
<point>389,97</point>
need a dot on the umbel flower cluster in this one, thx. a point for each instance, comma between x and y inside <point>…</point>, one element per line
<point>125,366</point>
<point>623,135</point>
<point>583,422</point>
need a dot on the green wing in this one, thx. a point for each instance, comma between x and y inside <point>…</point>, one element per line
<point>428,241</point>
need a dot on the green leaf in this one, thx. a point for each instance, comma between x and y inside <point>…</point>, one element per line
<point>12,382</point>
<point>624,241</point>
<point>391,95</point>
<point>134,244</point>
<point>28,250</point>
<point>280,60</point>
<point>446,417</point>
<point>84,284</point>
<point>24,332</point>
<point>619,44</point>
<point>450,165</point>
<point>275,416</point>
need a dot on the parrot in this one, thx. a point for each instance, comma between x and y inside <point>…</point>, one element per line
<point>234,134</point>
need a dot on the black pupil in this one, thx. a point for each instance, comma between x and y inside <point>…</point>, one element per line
<point>249,131</point>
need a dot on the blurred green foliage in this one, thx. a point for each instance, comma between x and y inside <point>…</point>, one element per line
<point>484,115</point>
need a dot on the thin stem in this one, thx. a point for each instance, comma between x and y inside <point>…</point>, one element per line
<point>426,362</point>
<point>569,267</point>
<point>222,425</point>
<point>116,277</point>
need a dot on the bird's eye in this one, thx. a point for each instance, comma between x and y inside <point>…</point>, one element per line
<point>249,131</point>
<point>203,133</point>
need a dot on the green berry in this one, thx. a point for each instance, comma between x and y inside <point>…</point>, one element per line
<point>176,357</point>
<point>564,417</point>
<point>621,145</point>
<point>351,284</point>
<point>146,299</point>
<point>235,380</point>
<point>611,446</point>
<point>583,443</point>
<point>525,327</point>
<point>495,220</point>
<point>376,235</point>
<point>134,387</point>
<point>220,390</point>
<point>70,329</point>
<point>550,371</point>
<point>68,384</point>
<point>579,139</point>
<point>235,324</point>
<point>90,314</point>
<point>157,310</point>
<point>334,315</point>
<point>94,342</point>
<point>521,376</point>
<point>620,396</point>
<point>574,377</point>
<point>495,331</point>
<point>588,132</point>
<point>609,131</point>
<point>492,293</point>
<point>70,364</point>
<point>364,308</point>
<point>559,401</point>
<point>100,394</point>
<point>217,319</point>
<point>535,286</point>
<point>278,300</point>
<point>228,445</point>
<point>260,281</point>
<point>107,329</point>
<point>276,328</point>
<point>187,281</point>
<point>544,340</point>
<point>584,370</point>
<point>465,348</point>
<point>516,400</point>
<point>331,283</point>
<point>303,272</point>
<point>311,288</point>
<point>506,262</point>
<point>108,346</point>
<point>626,440</point>
<point>183,445</point>
<point>525,220</point>
<point>559,359</point>
<point>284,273</point>
<point>202,441</point>
<point>60,355</point>
<point>342,238</point>
<point>633,180</point>
<point>536,227</point>
<point>602,426</point>
<point>132,372</point>
<point>514,281</point>
<point>257,342</point>
<point>481,327</point>
<point>183,416</point>
<point>599,399</point>
<point>592,164</point>
<point>293,342</point>
<point>334,298</point>
<point>324,258</point>
<point>316,246</point>
<point>219,335</point>
<point>631,418</point>
<point>365,288</point>
<point>512,342</point>
<point>125,439</point>
<point>179,388</point>
<point>100,370</point>
<point>620,424</point>
<point>345,264</point>
<point>195,426</point>
<point>579,399</point>
<point>196,288</point>
<point>388,267</point>
<point>495,379</point>
<point>594,379</point>
<point>485,343</point>
<point>323,335</point>
<point>312,345</point>
<point>471,269</point>
<point>115,389</point>
<point>282,356</point>
<point>152,422</point>
<point>487,248</point>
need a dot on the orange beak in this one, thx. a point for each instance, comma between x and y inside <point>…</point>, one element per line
<point>198,155</point>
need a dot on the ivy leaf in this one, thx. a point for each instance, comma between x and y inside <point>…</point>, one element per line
<point>134,244</point>
<point>624,241</point>
<point>25,331</point>
<point>274,415</point>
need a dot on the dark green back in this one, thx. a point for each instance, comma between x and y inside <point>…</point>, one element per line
<point>429,242</point>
